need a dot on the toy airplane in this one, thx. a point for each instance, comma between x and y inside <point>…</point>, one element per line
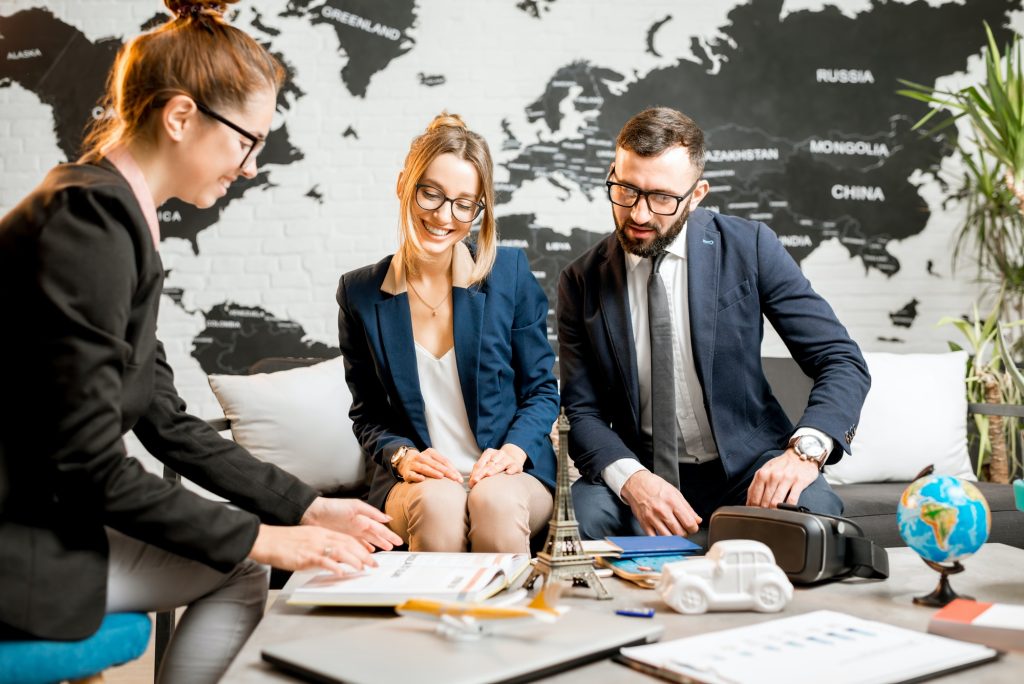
<point>462,620</point>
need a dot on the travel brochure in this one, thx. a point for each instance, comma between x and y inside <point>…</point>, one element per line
<point>644,571</point>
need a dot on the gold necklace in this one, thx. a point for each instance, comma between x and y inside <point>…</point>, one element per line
<point>433,309</point>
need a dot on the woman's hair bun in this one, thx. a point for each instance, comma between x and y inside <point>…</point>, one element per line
<point>445,119</point>
<point>185,8</point>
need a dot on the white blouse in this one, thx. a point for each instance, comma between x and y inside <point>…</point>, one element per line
<point>445,409</point>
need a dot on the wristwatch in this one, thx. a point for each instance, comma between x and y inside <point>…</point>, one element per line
<point>396,458</point>
<point>809,448</point>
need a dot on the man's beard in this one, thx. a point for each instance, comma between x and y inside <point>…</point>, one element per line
<point>660,242</point>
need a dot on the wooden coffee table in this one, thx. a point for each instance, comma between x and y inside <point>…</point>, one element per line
<point>995,573</point>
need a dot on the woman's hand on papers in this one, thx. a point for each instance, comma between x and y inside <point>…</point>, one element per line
<point>419,465</point>
<point>354,517</point>
<point>508,459</point>
<point>304,546</point>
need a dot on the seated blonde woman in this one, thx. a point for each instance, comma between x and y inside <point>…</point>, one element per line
<point>447,357</point>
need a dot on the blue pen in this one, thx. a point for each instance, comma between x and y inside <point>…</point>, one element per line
<point>636,612</point>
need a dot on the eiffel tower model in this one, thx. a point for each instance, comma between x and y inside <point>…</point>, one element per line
<point>563,557</point>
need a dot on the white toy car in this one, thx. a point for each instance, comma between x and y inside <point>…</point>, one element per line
<point>735,574</point>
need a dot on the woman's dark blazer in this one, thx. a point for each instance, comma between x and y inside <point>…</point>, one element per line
<point>501,347</point>
<point>80,286</point>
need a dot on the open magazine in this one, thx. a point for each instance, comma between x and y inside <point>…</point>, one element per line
<point>403,575</point>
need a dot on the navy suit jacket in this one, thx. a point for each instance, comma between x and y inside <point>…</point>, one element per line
<point>504,359</point>
<point>738,272</point>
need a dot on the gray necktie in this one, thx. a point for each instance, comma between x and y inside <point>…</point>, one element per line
<point>663,394</point>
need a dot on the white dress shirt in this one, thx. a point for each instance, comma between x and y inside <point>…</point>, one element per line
<point>445,409</point>
<point>691,417</point>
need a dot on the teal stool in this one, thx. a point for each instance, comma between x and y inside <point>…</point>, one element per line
<point>121,637</point>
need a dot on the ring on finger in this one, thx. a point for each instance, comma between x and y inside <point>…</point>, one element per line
<point>328,551</point>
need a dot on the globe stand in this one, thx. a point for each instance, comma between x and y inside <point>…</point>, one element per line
<point>943,593</point>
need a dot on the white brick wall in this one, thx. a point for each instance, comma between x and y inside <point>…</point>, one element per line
<point>280,250</point>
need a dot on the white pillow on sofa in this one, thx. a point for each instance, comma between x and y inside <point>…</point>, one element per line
<point>914,415</point>
<point>298,420</point>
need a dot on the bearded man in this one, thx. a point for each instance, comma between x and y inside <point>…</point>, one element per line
<point>659,329</point>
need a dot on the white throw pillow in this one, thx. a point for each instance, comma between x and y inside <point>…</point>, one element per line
<point>298,420</point>
<point>914,415</point>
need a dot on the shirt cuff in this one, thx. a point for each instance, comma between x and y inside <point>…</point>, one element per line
<point>825,439</point>
<point>616,474</point>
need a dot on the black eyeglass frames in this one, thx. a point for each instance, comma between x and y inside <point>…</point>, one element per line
<point>256,144</point>
<point>430,198</point>
<point>657,202</point>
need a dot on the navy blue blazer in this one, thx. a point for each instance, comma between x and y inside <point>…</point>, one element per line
<point>504,359</point>
<point>738,271</point>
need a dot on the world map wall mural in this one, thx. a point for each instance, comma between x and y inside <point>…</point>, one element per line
<point>798,99</point>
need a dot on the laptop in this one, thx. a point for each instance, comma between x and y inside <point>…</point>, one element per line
<point>409,650</point>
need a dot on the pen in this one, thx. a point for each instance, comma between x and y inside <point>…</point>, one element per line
<point>636,612</point>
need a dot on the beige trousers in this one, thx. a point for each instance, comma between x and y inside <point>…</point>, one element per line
<point>499,514</point>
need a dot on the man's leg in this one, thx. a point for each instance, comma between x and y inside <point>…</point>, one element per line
<point>223,608</point>
<point>818,497</point>
<point>600,513</point>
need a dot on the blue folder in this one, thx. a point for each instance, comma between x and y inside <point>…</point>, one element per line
<point>658,545</point>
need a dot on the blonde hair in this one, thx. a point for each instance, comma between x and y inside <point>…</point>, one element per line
<point>447,134</point>
<point>195,53</point>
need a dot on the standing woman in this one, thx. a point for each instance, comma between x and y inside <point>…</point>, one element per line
<point>447,357</point>
<point>84,529</point>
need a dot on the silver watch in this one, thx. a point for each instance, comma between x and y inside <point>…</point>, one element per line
<point>809,448</point>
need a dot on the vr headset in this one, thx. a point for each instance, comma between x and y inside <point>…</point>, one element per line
<point>809,547</point>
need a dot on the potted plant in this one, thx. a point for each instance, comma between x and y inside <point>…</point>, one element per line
<point>992,378</point>
<point>992,185</point>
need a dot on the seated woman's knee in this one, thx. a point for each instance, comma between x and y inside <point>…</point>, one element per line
<point>440,496</point>
<point>493,498</point>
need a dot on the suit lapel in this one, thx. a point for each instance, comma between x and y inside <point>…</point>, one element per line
<point>703,256</point>
<point>468,312</point>
<point>396,338</point>
<point>618,322</point>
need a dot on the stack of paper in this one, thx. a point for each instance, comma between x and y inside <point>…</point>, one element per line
<point>823,646</point>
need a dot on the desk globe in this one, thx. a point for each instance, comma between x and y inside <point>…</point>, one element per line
<point>943,519</point>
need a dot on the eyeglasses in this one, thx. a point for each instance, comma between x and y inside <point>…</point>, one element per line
<point>657,202</point>
<point>256,144</point>
<point>430,198</point>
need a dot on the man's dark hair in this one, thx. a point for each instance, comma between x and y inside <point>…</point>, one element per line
<point>656,129</point>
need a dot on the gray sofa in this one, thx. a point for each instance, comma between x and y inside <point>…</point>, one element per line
<point>873,505</point>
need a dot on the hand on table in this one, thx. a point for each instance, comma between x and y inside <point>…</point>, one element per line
<point>304,546</point>
<point>658,506</point>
